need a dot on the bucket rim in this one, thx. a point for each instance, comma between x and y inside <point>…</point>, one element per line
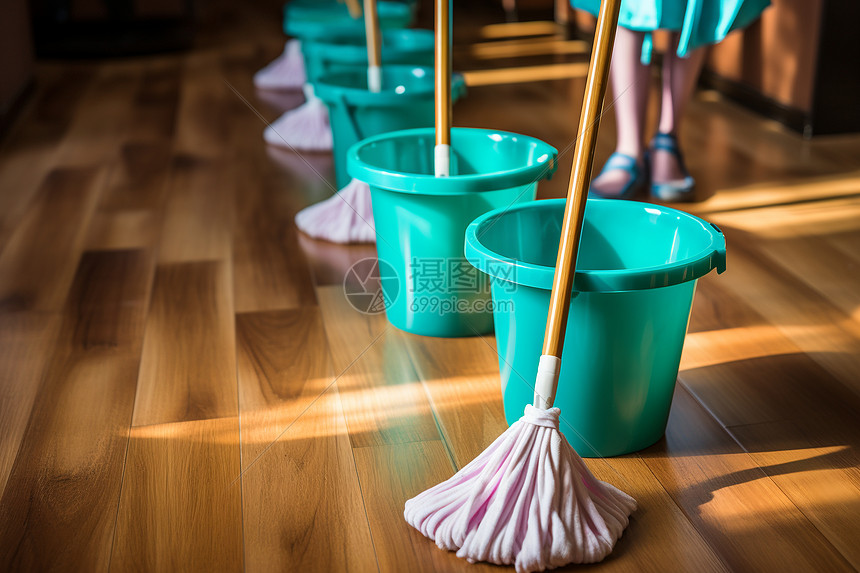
<point>429,184</point>
<point>712,256</point>
<point>310,24</point>
<point>333,93</point>
<point>341,40</point>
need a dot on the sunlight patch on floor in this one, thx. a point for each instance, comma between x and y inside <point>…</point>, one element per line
<point>779,193</point>
<point>525,74</point>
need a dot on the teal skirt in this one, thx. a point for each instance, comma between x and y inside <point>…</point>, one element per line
<point>700,22</point>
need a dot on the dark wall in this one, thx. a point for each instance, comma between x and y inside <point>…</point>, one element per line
<point>16,55</point>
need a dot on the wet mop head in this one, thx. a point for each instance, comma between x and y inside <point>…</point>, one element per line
<point>527,500</point>
<point>346,217</point>
<point>305,128</point>
<point>286,72</point>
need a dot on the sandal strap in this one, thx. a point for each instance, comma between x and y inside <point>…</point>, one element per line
<point>624,162</point>
<point>666,142</point>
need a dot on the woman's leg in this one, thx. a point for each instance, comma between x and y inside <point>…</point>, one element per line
<point>679,80</point>
<point>629,79</point>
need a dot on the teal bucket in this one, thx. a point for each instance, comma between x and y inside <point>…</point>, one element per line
<point>633,291</point>
<point>315,23</point>
<point>355,113</point>
<point>346,50</point>
<point>421,220</point>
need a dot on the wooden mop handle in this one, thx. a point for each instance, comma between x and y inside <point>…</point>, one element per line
<point>354,8</point>
<point>443,86</point>
<point>583,157</point>
<point>374,47</point>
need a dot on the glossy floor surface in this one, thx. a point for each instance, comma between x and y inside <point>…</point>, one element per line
<point>185,387</point>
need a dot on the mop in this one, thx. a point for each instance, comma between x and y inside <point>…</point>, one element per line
<point>347,216</point>
<point>529,499</point>
<point>306,128</point>
<point>286,72</point>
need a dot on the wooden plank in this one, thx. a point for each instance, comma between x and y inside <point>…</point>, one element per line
<point>198,220</point>
<point>771,343</point>
<point>731,501</point>
<point>521,48</point>
<point>383,399</point>
<point>801,314</point>
<point>270,269</point>
<point>38,263</point>
<point>389,476</point>
<point>188,367</point>
<point>392,474</point>
<point>768,153</point>
<point>245,110</point>
<point>123,230</point>
<point>848,244</point>
<point>181,506</point>
<point>813,261</point>
<point>26,340</point>
<point>30,149</point>
<point>246,101</point>
<point>131,209</point>
<point>741,160</point>
<point>293,432</point>
<point>139,177</point>
<point>330,262</point>
<point>815,463</point>
<point>181,502</point>
<point>61,88</point>
<point>797,220</point>
<point>657,523</point>
<point>753,386</point>
<point>103,116</point>
<point>156,101</point>
<point>464,390</point>
<point>461,377</point>
<point>525,74</point>
<point>202,128</point>
<point>284,365</point>
<point>60,501</point>
<point>749,372</point>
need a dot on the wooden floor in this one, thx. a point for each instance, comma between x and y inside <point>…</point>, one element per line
<point>184,387</point>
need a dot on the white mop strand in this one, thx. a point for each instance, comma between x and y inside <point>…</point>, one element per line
<point>528,500</point>
<point>286,72</point>
<point>346,217</point>
<point>305,128</point>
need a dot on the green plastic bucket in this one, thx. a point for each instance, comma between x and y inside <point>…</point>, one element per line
<point>313,23</point>
<point>633,291</point>
<point>355,113</point>
<point>421,220</point>
<point>346,50</point>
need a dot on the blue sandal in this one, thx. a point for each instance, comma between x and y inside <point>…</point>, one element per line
<point>672,191</point>
<point>625,163</point>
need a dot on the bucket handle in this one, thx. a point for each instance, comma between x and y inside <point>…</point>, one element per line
<point>352,124</point>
